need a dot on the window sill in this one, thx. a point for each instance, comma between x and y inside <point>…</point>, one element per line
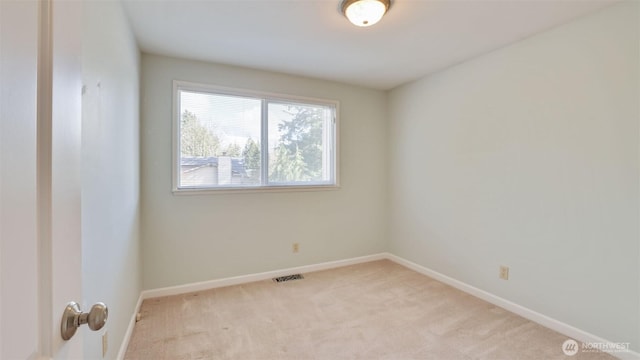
<point>249,190</point>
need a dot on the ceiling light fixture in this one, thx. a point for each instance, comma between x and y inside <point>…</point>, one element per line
<point>365,12</point>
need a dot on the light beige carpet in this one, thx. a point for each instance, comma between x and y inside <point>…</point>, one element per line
<point>376,310</point>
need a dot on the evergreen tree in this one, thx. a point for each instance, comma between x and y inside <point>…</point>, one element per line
<point>288,167</point>
<point>251,155</point>
<point>195,139</point>
<point>232,150</point>
<point>298,156</point>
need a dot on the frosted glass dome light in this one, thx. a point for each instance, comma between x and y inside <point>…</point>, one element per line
<point>365,12</point>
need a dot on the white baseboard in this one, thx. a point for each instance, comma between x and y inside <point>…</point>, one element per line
<point>129,332</point>
<point>243,279</point>
<point>526,313</point>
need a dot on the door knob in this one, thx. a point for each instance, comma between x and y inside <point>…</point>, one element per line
<point>73,317</point>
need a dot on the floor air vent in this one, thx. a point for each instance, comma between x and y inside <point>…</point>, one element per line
<point>288,278</point>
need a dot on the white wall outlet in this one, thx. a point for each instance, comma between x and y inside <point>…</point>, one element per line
<point>295,247</point>
<point>105,343</point>
<point>504,272</point>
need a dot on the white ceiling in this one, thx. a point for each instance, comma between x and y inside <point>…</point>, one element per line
<point>312,38</point>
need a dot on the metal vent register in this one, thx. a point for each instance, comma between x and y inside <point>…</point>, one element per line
<point>288,278</point>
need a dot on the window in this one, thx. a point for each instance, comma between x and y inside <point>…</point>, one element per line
<point>234,139</point>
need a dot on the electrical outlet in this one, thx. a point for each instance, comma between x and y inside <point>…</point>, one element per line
<point>296,247</point>
<point>105,344</point>
<point>504,272</point>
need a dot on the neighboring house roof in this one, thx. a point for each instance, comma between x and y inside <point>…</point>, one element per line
<point>237,164</point>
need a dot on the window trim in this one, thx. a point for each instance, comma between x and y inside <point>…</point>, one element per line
<point>267,97</point>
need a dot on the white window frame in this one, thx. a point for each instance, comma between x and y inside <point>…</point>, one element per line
<point>266,98</point>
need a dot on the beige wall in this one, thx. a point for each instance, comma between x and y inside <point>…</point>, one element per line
<point>112,270</point>
<point>189,238</point>
<point>528,157</point>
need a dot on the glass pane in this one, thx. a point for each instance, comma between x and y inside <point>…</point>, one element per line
<point>300,139</point>
<point>219,140</point>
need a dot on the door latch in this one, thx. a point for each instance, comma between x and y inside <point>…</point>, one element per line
<point>73,317</point>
